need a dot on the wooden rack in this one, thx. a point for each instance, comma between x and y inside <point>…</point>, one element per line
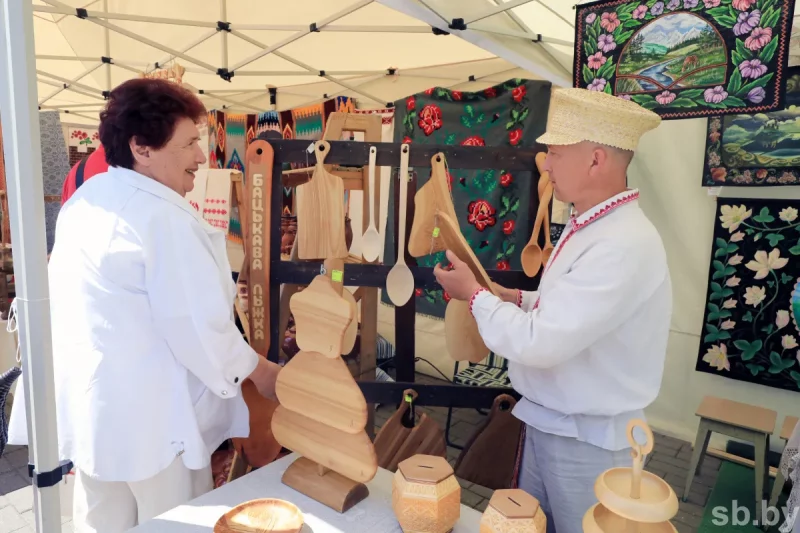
<point>356,153</point>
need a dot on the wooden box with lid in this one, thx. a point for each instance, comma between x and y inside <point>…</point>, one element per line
<point>426,496</point>
<point>513,511</point>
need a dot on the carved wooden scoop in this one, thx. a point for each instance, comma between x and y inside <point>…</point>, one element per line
<point>531,257</point>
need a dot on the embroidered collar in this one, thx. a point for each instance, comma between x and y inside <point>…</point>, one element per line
<point>604,208</point>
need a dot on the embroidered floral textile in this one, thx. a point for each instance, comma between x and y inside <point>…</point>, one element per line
<point>686,58</point>
<point>752,317</point>
<point>756,149</point>
<point>494,206</point>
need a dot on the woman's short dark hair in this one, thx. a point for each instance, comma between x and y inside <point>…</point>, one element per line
<point>145,109</point>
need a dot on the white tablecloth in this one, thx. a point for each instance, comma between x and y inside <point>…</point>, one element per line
<point>373,515</point>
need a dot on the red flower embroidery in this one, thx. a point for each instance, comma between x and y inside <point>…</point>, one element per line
<point>406,140</point>
<point>481,214</point>
<point>429,91</point>
<point>411,103</point>
<point>519,93</point>
<point>508,227</point>
<point>506,179</point>
<point>491,92</point>
<point>475,140</point>
<point>418,292</point>
<point>503,265</point>
<point>515,136</point>
<point>430,118</point>
<point>456,95</point>
<point>446,296</point>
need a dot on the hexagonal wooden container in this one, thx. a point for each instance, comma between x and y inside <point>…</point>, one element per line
<point>513,511</point>
<point>426,496</point>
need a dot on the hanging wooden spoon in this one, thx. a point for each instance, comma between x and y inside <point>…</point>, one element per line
<point>371,241</point>
<point>531,257</point>
<point>400,281</point>
<point>547,251</point>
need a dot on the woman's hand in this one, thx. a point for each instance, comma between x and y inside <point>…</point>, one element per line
<point>265,376</point>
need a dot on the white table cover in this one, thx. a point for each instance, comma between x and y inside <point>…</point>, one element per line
<point>373,515</point>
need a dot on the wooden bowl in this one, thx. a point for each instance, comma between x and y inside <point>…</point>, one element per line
<point>266,515</point>
<point>598,519</point>
<point>657,501</point>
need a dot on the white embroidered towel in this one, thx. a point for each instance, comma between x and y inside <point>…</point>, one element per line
<point>197,196</point>
<point>217,211</point>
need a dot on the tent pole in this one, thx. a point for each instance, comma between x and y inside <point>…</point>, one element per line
<point>107,42</point>
<point>64,9</point>
<point>68,82</point>
<point>69,88</point>
<point>502,8</point>
<point>200,40</point>
<point>223,17</point>
<point>23,157</point>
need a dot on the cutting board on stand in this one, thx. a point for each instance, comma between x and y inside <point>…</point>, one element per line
<point>490,454</point>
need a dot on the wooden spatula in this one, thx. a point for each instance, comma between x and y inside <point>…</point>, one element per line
<point>351,455</point>
<point>432,197</point>
<point>400,281</point>
<point>320,212</point>
<point>322,389</point>
<point>371,240</point>
<point>322,317</point>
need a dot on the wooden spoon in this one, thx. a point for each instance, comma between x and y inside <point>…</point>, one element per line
<point>547,251</point>
<point>531,257</point>
<point>371,241</point>
<point>400,281</point>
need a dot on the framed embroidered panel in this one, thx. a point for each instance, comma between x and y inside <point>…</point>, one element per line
<point>686,58</point>
<point>757,149</point>
<point>751,324</point>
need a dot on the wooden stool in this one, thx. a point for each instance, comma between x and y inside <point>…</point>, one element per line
<point>786,431</point>
<point>740,421</point>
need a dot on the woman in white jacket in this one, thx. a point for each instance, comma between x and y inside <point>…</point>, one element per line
<point>148,361</point>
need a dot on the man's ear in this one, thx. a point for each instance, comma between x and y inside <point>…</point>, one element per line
<point>141,154</point>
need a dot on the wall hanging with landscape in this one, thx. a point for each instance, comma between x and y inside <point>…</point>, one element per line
<point>750,325</point>
<point>686,58</point>
<point>759,149</point>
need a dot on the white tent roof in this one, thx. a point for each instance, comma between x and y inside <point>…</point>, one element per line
<point>271,44</point>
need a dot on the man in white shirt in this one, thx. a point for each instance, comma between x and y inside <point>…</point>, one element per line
<point>586,351</point>
<point>148,361</point>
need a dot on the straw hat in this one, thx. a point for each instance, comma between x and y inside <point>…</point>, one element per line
<point>582,115</point>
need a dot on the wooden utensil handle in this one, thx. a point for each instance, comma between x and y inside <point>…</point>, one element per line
<point>373,154</point>
<point>537,225</point>
<point>403,184</point>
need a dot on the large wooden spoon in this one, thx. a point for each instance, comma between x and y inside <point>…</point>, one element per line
<point>400,281</point>
<point>531,257</point>
<point>371,241</point>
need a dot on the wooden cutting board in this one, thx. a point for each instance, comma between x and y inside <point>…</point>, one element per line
<point>323,390</point>
<point>393,433</point>
<point>321,317</point>
<point>432,197</point>
<point>320,212</point>
<point>334,271</point>
<point>489,456</point>
<point>453,240</point>
<point>352,456</point>
<point>427,438</point>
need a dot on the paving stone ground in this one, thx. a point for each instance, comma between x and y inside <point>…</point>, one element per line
<point>669,460</point>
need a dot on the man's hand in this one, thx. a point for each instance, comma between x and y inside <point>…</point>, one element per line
<point>460,282</point>
<point>265,376</point>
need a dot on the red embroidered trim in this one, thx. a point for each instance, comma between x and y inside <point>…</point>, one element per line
<point>606,209</point>
<point>519,298</point>
<point>474,295</point>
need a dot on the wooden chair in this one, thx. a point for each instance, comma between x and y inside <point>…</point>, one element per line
<point>786,431</point>
<point>740,421</point>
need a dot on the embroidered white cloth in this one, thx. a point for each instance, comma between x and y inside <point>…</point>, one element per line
<point>148,361</point>
<point>372,515</point>
<point>587,351</point>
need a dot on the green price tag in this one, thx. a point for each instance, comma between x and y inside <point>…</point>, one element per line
<point>337,276</point>
<point>435,232</point>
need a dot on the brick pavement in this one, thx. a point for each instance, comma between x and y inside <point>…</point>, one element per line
<point>669,460</point>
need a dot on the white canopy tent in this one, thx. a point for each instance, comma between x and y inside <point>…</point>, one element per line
<point>377,51</point>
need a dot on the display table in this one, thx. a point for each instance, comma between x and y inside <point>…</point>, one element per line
<point>373,515</point>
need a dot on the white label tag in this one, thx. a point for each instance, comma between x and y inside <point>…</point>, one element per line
<point>714,191</point>
<point>310,148</point>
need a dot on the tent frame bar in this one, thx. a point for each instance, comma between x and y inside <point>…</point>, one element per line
<point>67,83</point>
<point>502,8</point>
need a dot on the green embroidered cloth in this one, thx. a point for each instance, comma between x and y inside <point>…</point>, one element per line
<point>494,206</point>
